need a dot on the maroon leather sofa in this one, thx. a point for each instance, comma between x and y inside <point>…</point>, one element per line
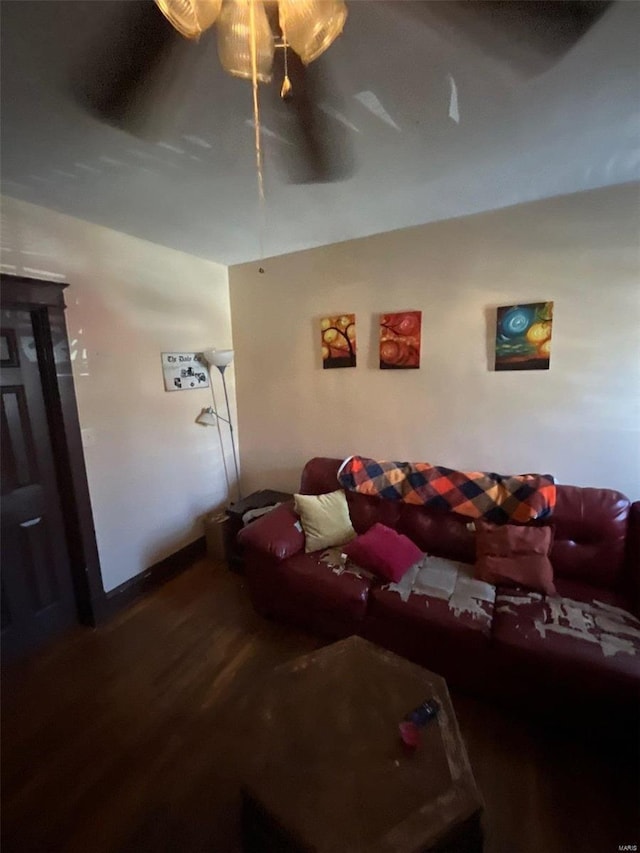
<point>580,650</point>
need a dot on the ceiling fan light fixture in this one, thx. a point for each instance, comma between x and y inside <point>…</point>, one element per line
<point>190,17</point>
<point>234,39</point>
<point>311,25</point>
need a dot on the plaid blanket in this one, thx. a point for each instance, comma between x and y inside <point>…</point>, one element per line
<point>476,494</point>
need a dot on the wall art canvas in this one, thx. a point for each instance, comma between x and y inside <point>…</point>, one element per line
<point>523,336</point>
<point>338,341</point>
<point>400,340</point>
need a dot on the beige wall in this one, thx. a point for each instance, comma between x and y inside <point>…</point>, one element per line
<point>152,471</point>
<point>579,421</point>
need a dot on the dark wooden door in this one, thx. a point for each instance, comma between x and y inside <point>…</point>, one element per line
<point>37,591</point>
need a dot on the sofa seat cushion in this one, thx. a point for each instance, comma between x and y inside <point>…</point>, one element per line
<point>441,593</point>
<point>312,593</point>
<point>581,591</point>
<point>588,643</point>
<point>439,617</point>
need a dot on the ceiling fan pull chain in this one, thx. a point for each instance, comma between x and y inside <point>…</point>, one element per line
<point>254,86</point>
<point>285,91</point>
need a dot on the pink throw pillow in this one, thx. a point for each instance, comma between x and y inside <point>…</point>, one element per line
<point>384,552</point>
<point>514,555</point>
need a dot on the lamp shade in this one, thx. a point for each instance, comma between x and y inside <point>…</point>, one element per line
<point>234,39</point>
<point>207,417</point>
<point>190,17</point>
<point>311,25</point>
<point>218,357</point>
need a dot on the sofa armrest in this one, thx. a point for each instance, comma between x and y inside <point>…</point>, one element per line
<point>277,534</point>
<point>632,564</point>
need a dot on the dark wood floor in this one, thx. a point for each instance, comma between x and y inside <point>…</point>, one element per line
<point>133,738</point>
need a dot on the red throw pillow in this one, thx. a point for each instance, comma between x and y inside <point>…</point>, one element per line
<point>514,555</point>
<point>384,552</point>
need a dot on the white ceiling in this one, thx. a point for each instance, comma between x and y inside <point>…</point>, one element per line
<point>393,78</point>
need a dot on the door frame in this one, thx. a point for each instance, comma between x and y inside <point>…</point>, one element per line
<point>45,301</point>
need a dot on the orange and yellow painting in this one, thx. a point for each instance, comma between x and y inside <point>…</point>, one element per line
<point>523,336</point>
<point>338,340</point>
<point>400,340</point>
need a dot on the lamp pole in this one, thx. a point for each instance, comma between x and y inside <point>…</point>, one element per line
<point>222,368</point>
<point>214,411</point>
<point>222,359</point>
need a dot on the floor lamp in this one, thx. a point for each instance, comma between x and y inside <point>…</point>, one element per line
<point>221,358</point>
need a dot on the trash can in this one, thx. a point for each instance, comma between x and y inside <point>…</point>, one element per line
<point>214,532</point>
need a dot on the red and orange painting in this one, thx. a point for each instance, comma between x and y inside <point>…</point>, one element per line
<point>338,341</point>
<point>400,340</point>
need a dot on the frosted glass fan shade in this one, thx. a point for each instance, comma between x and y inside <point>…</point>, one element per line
<point>234,39</point>
<point>218,357</point>
<point>312,25</point>
<point>190,17</point>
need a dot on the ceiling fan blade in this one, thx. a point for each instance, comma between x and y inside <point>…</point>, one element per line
<point>319,149</point>
<point>529,36</point>
<point>550,28</point>
<point>120,81</point>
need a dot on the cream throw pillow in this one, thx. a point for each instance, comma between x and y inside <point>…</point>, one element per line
<point>325,520</point>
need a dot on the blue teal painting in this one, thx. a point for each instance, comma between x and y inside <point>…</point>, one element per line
<point>523,336</point>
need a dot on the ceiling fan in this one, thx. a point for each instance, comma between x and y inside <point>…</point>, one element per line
<point>151,38</point>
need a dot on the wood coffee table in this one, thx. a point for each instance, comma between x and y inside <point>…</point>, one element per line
<point>330,773</point>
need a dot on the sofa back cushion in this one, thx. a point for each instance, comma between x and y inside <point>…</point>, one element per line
<point>590,527</point>
<point>590,535</point>
<point>366,510</point>
<point>438,532</point>
<point>320,476</point>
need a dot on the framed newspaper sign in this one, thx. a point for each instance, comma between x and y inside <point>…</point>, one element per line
<point>184,371</point>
